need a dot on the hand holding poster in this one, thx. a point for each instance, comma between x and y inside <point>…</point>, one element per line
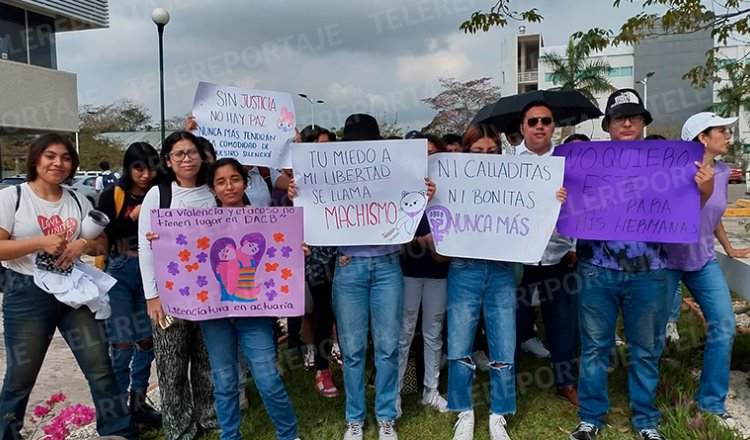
<point>494,207</point>
<point>229,262</point>
<point>361,193</point>
<point>631,190</point>
<point>255,127</point>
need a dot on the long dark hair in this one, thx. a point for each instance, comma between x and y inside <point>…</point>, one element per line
<point>37,149</point>
<point>138,155</point>
<point>166,174</point>
<point>479,131</point>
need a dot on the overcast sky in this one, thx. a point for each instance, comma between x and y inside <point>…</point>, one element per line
<point>380,57</point>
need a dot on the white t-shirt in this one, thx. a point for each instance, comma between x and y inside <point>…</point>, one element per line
<point>200,197</point>
<point>36,217</point>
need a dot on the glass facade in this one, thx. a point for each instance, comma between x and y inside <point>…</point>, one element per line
<point>27,37</point>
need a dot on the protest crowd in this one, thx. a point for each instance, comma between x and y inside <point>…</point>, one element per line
<point>474,313</point>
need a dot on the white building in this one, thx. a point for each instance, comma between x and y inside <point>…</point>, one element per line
<point>34,96</point>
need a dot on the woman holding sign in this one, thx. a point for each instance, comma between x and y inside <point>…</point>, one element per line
<point>181,356</point>
<point>695,265</point>
<point>254,336</point>
<point>478,286</point>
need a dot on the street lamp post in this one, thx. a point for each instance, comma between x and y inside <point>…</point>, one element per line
<point>312,106</point>
<point>160,16</point>
<point>644,81</point>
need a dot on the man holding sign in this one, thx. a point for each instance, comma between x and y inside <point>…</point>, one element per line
<point>627,275</point>
<point>368,287</point>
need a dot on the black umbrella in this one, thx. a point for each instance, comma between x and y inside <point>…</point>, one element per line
<point>569,107</point>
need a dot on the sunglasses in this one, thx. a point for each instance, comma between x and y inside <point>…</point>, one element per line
<point>531,122</point>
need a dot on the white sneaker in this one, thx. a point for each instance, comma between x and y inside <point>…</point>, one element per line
<point>431,397</point>
<point>672,334</point>
<point>481,360</point>
<point>354,431</point>
<point>497,428</point>
<point>619,341</point>
<point>726,420</point>
<point>464,427</point>
<point>386,430</point>
<point>535,347</point>
<point>310,358</point>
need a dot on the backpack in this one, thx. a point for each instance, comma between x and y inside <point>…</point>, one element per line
<point>100,261</point>
<point>70,191</point>
<point>108,180</point>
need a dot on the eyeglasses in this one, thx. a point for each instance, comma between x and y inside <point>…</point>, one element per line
<point>179,156</point>
<point>531,122</point>
<point>634,119</point>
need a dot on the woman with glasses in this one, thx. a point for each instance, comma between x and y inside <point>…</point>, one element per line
<point>181,357</point>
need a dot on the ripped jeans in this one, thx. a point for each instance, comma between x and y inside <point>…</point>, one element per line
<point>476,286</point>
<point>430,293</point>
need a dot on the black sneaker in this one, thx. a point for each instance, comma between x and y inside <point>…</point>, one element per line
<point>651,434</point>
<point>584,431</point>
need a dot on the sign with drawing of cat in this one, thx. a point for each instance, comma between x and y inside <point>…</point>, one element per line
<point>255,127</point>
<point>361,193</point>
<point>494,207</point>
<point>229,262</point>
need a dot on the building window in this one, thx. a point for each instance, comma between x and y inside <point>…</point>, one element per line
<point>13,31</point>
<point>27,37</point>
<point>617,72</point>
<point>626,71</point>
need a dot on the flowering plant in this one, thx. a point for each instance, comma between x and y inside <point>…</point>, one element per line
<point>56,427</point>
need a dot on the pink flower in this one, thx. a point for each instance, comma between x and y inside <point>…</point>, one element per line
<point>56,398</point>
<point>41,411</point>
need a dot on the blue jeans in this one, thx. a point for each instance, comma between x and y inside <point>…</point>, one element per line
<point>369,291</point>
<point>709,288</point>
<point>475,286</point>
<point>30,317</point>
<point>129,327</point>
<point>255,338</point>
<point>674,309</point>
<point>644,301</point>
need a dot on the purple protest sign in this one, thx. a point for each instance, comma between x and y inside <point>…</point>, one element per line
<point>229,262</point>
<point>631,191</point>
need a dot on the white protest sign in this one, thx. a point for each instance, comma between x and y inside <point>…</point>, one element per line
<point>361,193</point>
<point>255,127</point>
<point>494,207</point>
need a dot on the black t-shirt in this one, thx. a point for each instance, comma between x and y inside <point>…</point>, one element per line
<point>121,227</point>
<point>417,262</point>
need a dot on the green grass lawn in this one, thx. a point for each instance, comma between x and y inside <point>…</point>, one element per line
<point>540,414</point>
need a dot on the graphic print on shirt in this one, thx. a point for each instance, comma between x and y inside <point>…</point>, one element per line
<point>410,211</point>
<point>55,225</point>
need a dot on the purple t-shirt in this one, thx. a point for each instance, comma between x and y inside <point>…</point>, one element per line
<point>692,257</point>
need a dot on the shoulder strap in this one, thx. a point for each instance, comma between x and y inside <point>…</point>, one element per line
<point>18,196</point>
<point>70,191</point>
<point>165,195</point>
<point>119,200</point>
<point>75,197</point>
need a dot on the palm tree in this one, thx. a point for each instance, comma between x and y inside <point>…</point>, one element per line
<point>575,71</point>
<point>733,98</point>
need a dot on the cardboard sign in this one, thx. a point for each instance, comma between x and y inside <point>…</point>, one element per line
<point>631,191</point>
<point>494,207</point>
<point>361,193</point>
<point>229,262</point>
<point>255,127</point>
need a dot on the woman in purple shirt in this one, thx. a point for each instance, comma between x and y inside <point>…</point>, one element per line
<point>695,265</point>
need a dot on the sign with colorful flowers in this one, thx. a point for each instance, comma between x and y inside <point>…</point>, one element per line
<point>229,262</point>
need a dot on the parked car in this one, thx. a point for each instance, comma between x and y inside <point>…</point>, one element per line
<point>11,181</point>
<point>736,174</point>
<point>85,186</point>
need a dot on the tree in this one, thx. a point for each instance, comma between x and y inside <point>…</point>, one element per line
<point>734,97</point>
<point>457,104</point>
<point>122,115</point>
<point>725,18</point>
<point>574,70</point>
